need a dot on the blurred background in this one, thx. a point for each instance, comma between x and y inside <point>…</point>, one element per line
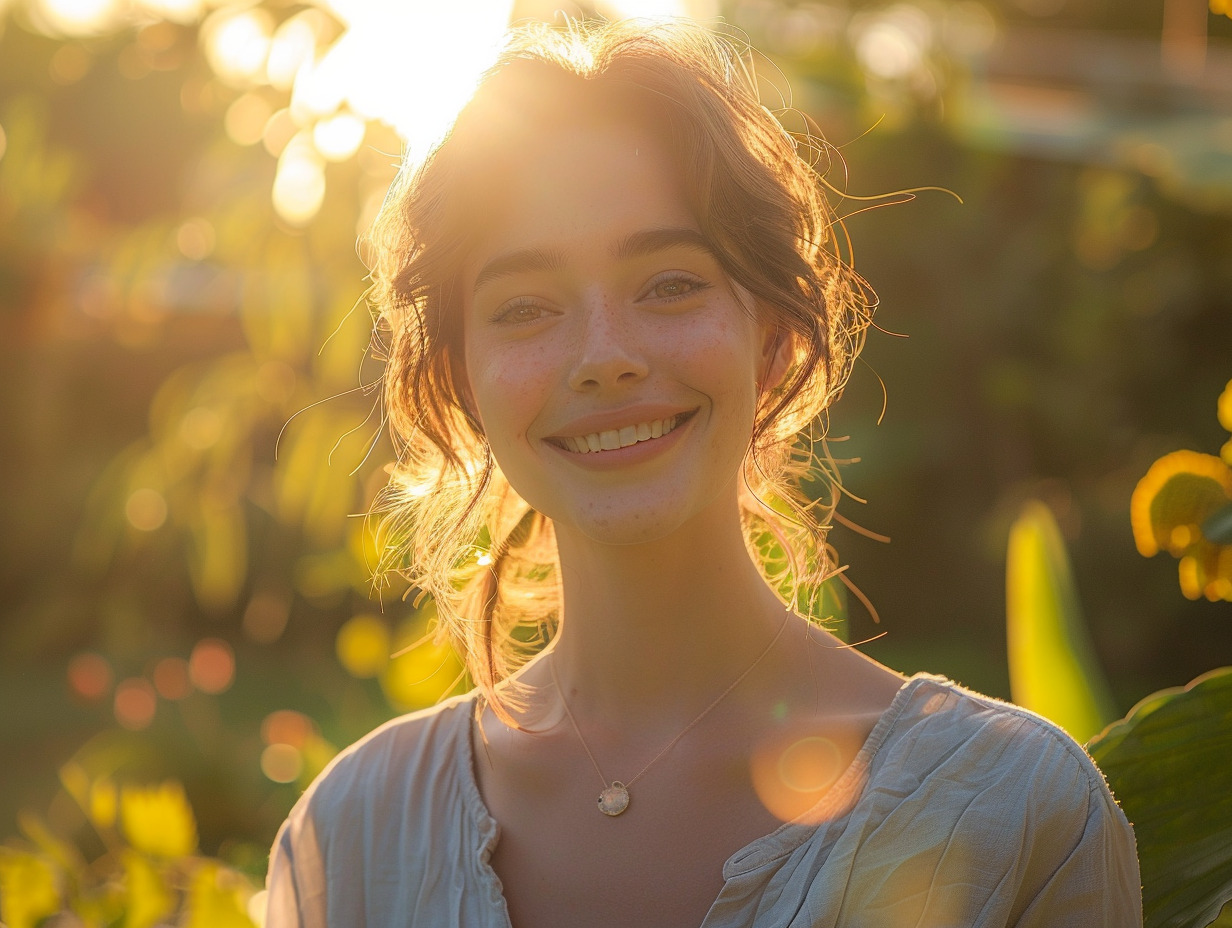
<point>188,438</point>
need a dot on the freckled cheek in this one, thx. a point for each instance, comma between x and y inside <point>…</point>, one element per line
<point>512,389</point>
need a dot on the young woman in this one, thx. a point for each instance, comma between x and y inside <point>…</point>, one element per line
<point>612,307</point>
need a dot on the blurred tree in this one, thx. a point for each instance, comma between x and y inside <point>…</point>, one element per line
<point>192,427</point>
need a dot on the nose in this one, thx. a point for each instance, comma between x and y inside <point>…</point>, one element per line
<point>607,353</point>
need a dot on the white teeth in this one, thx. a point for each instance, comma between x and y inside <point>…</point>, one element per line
<point>612,439</point>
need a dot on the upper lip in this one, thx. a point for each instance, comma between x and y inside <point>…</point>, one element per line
<point>618,419</point>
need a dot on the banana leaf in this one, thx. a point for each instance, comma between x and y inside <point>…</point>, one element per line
<point>1169,763</point>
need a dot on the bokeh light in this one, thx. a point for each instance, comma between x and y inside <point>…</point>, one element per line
<point>266,616</point>
<point>89,676</point>
<point>135,703</point>
<point>294,45</point>
<point>299,183</point>
<point>238,43</point>
<point>245,118</point>
<point>171,678</point>
<point>211,666</point>
<point>892,44</point>
<point>146,509</point>
<point>363,646</point>
<point>256,907</point>
<point>69,64</point>
<point>201,428</point>
<point>339,136</point>
<point>286,726</point>
<point>422,675</point>
<point>281,763</point>
<point>195,238</point>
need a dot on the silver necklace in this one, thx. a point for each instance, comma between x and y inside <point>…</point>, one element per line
<point>614,798</point>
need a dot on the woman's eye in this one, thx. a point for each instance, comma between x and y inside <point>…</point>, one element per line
<point>518,311</point>
<point>671,288</point>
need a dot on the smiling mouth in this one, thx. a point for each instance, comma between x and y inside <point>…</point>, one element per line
<point>615,439</point>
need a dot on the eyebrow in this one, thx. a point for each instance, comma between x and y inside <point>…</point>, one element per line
<point>519,262</point>
<point>636,245</point>
<point>651,241</point>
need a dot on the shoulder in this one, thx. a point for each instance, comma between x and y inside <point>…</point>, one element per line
<point>994,810</point>
<point>382,782</point>
<point>940,729</point>
<point>421,751</point>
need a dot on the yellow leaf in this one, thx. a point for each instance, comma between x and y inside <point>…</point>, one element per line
<point>1225,407</point>
<point>103,803</point>
<point>216,899</point>
<point>28,891</point>
<point>1181,489</point>
<point>147,897</point>
<point>158,820</point>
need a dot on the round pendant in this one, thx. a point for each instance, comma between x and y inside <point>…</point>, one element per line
<point>614,799</point>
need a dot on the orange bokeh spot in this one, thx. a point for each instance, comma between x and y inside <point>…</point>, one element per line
<point>171,678</point>
<point>135,702</point>
<point>286,726</point>
<point>89,676</point>
<point>281,763</point>
<point>211,667</point>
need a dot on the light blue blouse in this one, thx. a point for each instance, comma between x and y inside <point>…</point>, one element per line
<point>959,810</point>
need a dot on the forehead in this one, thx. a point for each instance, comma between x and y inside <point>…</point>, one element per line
<point>580,187</point>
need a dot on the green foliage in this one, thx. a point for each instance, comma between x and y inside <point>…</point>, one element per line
<point>1167,763</point>
<point>148,873</point>
<point>1052,668</point>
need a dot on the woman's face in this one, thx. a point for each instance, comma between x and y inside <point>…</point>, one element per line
<point>612,364</point>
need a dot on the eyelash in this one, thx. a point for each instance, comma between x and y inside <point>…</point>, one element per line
<point>693,284</point>
<point>503,314</point>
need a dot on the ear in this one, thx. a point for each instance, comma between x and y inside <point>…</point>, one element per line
<point>776,353</point>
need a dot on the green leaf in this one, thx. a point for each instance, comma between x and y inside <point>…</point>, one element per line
<point>1168,763</point>
<point>1052,670</point>
<point>1218,526</point>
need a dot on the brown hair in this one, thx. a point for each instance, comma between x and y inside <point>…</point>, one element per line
<point>451,521</point>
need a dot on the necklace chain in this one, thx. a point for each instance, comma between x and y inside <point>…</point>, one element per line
<point>615,796</point>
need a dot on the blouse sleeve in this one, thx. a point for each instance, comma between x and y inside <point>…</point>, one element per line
<point>295,882</point>
<point>995,819</point>
<point>1097,885</point>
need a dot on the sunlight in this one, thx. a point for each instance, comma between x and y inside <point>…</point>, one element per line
<point>293,46</point>
<point>338,137</point>
<point>704,10</point>
<point>177,11</point>
<point>411,66</point>
<point>238,44</point>
<point>78,17</point>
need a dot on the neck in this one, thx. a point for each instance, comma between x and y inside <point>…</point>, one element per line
<point>652,632</point>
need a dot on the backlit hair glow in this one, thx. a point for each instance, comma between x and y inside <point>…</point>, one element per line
<point>451,522</point>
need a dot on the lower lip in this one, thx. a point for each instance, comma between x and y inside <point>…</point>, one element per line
<point>630,454</point>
